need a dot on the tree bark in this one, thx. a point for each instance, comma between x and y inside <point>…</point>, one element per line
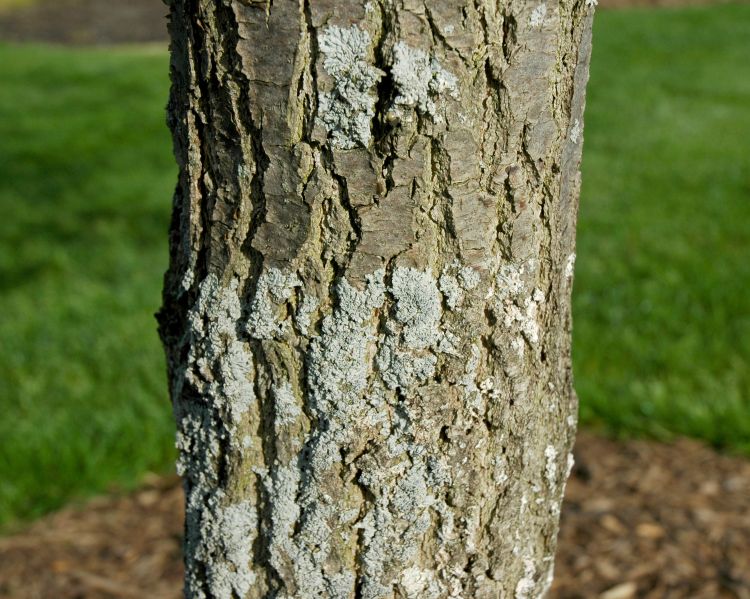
<point>367,312</point>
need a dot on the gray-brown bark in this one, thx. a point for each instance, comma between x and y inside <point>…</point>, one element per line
<point>367,313</point>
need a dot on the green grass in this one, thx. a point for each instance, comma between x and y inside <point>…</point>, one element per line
<point>662,292</point>
<point>662,315</point>
<point>86,175</point>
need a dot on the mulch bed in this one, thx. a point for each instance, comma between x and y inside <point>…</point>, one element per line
<point>641,519</point>
<point>644,519</point>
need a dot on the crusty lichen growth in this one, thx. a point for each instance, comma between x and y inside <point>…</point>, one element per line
<point>274,288</point>
<point>222,364</point>
<point>420,79</point>
<point>417,306</point>
<point>346,111</point>
<point>367,315</point>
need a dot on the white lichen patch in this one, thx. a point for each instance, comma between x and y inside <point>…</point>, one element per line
<point>220,364</point>
<point>489,389</point>
<point>468,277</point>
<point>525,318</point>
<point>455,280</point>
<point>346,111</point>
<point>417,306</point>
<point>449,344</point>
<point>509,283</point>
<point>306,309</point>
<point>273,289</point>
<point>550,468</point>
<point>286,407</point>
<point>420,79</point>
<point>220,534</point>
<point>283,485</point>
<point>570,264</point>
<point>338,363</point>
<point>538,16</point>
<point>198,449</point>
<point>393,528</point>
<point>416,582</point>
<point>229,533</point>
<point>347,393</point>
<point>517,306</point>
<point>575,131</point>
<point>526,585</point>
<point>375,340</point>
<point>451,290</point>
<point>403,369</point>
<point>472,394</point>
<point>569,467</point>
<point>188,278</point>
<point>500,470</point>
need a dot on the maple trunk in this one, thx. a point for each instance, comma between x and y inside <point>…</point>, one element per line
<point>367,312</point>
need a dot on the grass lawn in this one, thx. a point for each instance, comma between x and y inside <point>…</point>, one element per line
<point>662,289</point>
<point>662,330</point>
<point>86,175</point>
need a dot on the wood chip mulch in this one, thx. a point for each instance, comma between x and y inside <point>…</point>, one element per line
<point>641,519</point>
<point>644,519</point>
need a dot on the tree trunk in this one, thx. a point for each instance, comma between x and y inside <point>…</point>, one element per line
<point>367,313</point>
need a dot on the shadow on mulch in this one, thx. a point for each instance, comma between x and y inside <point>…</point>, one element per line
<point>641,519</point>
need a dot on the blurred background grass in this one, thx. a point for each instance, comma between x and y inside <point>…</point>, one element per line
<point>86,175</point>
<point>662,318</point>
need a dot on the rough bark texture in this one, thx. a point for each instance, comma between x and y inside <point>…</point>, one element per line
<point>367,313</point>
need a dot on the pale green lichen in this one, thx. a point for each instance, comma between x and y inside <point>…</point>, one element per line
<point>306,309</point>
<point>402,369</point>
<point>455,280</point>
<point>526,585</point>
<point>417,306</point>
<point>550,468</point>
<point>351,373</point>
<point>338,366</point>
<point>230,533</point>
<point>451,289</point>
<point>346,111</point>
<point>420,79</point>
<point>220,535</point>
<point>570,264</point>
<point>220,364</point>
<point>273,289</point>
<point>285,552</point>
<point>538,16</point>
<point>286,407</point>
<point>517,305</point>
